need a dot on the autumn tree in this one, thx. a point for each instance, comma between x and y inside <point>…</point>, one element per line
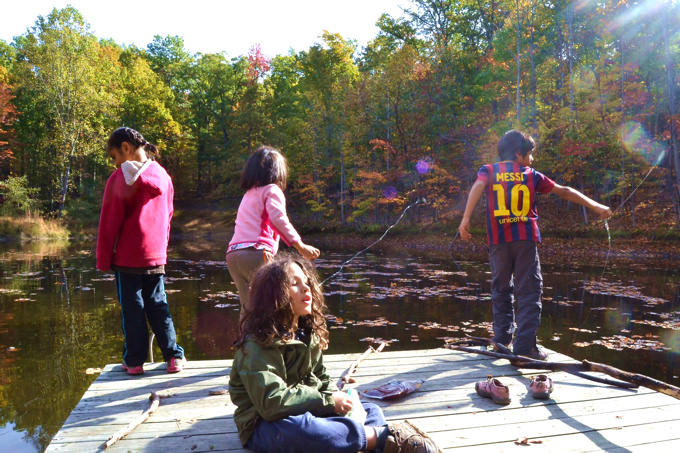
<point>8,115</point>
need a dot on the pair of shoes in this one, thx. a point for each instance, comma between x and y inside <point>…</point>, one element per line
<point>536,353</point>
<point>132,370</point>
<point>541,387</point>
<point>176,364</point>
<point>494,389</point>
<point>405,437</point>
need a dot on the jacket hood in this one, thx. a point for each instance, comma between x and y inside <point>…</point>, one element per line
<point>145,175</point>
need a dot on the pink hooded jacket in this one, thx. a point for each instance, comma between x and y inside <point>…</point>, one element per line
<point>134,226</point>
<point>262,219</point>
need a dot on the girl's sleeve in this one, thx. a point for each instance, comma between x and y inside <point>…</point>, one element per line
<point>110,222</point>
<point>327,384</point>
<point>273,399</point>
<point>171,207</point>
<point>275,203</point>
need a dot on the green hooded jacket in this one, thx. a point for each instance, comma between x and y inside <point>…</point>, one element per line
<point>278,380</point>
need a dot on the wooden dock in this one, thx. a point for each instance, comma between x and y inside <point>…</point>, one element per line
<point>581,415</point>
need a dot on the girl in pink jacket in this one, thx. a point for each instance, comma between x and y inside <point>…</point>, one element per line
<point>134,228</point>
<point>261,220</point>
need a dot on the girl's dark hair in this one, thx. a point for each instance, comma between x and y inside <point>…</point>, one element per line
<point>514,142</point>
<point>126,134</point>
<point>265,166</point>
<point>271,313</point>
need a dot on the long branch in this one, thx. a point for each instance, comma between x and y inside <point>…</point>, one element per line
<point>632,380</point>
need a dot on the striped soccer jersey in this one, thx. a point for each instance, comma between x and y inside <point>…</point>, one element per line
<point>511,201</point>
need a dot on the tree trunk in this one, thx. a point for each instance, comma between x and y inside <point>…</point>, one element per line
<point>671,106</point>
<point>533,69</point>
<point>518,62</point>
<point>342,185</point>
<point>65,179</point>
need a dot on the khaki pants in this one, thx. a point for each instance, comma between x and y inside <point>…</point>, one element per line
<point>242,265</point>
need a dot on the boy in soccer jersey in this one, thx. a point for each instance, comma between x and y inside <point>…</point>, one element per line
<point>512,230</point>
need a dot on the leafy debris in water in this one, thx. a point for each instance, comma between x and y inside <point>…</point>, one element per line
<point>620,290</point>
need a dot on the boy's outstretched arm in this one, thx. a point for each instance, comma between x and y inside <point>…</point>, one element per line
<point>577,197</point>
<point>473,198</point>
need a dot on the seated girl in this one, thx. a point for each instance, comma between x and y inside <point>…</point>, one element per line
<point>286,401</point>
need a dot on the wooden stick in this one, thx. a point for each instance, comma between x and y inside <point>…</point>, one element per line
<point>632,380</point>
<point>155,402</point>
<point>639,379</point>
<point>576,369</point>
<point>346,376</point>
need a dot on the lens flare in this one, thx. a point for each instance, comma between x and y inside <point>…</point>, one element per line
<point>423,165</point>
<point>671,339</point>
<point>390,192</point>
<point>636,140</point>
<point>583,79</point>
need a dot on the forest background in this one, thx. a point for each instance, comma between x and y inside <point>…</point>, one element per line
<point>366,131</point>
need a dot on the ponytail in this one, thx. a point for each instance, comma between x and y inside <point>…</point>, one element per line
<point>151,150</point>
<point>127,134</point>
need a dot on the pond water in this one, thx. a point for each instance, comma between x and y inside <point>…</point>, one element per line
<point>59,317</point>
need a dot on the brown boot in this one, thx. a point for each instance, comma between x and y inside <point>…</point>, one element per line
<point>407,438</point>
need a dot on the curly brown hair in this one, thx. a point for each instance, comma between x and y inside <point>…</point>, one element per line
<point>271,312</point>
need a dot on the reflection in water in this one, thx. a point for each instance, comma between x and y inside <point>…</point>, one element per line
<point>59,317</point>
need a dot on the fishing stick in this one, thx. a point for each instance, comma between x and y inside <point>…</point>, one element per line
<point>451,250</point>
<point>606,224</point>
<point>342,266</point>
<point>635,190</point>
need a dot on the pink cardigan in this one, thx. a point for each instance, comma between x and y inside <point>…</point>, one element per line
<point>262,219</point>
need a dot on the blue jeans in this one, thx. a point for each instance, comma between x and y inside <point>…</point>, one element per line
<point>142,298</point>
<point>307,433</point>
<point>516,271</point>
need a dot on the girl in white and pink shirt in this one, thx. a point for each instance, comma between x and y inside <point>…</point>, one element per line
<point>261,220</point>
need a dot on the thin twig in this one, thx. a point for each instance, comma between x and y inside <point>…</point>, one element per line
<point>155,399</point>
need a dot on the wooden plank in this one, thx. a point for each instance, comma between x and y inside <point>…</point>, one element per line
<point>586,413</point>
<point>162,443</point>
<point>651,437</point>
<point>539,429</point>
<point>199,423</point>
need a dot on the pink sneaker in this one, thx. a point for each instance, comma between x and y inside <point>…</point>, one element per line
<point>133,370</point>
<point>176,365</point>
<point>494,389</point>
<point>541,387</point>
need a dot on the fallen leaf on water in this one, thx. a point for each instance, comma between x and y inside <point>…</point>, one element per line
<point>576,329</point>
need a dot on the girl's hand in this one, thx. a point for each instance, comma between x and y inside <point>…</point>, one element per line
<point>307,251</point>
<point>343,403</point>
<point>464,229</point>
<point>604,212</point>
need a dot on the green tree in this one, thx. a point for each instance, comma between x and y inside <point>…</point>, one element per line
<point>329,71</point>
<point>65,94</point>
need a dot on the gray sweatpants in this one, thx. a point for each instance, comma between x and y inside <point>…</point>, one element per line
<point>518,259</point>
<point>242,265</point>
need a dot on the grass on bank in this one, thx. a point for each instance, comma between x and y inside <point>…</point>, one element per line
<point>32,228</point>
